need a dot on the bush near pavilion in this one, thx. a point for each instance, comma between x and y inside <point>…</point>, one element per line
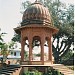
<point>4,48</point>
<point>49,72</point>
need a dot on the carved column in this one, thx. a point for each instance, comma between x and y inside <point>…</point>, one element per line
<point>42,49</point>
<point>30,49</point>
<point>22,49</point>
<point>50,49</point>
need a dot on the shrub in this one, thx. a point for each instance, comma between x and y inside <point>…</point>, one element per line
<point>32,73</point>
<point>49,72</point>
<point>53,72</point>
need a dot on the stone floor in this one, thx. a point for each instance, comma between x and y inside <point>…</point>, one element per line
<point>63,69</point>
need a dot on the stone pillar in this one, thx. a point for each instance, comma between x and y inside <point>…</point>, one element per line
<point>30,49</point>
<point>50,50</point>
<point>42,49</point>
<point>22,49</point>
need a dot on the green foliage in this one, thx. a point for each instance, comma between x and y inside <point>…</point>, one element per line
<point>11,44</point>
<point>36,72</point>
<point>1,37</point>
<point>16,38</point>
<point>25,5</point>
<point>4,51</point>
<point>63,19</point>
<point>68,59</point>
<point>38,54</point>
<point>3,47</point>
<point>67,55</point>
<point>53,72</point>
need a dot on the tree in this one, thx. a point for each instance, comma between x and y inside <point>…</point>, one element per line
<point>3,47</point>
<point>68,55</point>
<point>63,19</point>
<point>16,38</point>
<point>1,37</point>
<point>11,44</point>
<point>4,51</point>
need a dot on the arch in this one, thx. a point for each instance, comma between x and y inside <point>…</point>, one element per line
<point>46,38</point>
<point>36,40</point>
<point>26,40</point>
<point>36,48</point>
<point>26,48</point>
<point>46,48</point>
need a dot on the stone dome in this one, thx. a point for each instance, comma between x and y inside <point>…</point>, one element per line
<point>36,13</point>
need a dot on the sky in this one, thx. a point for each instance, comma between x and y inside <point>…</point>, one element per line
<point>10,16</point>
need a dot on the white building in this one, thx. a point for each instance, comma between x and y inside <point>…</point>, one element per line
<point>15,52</point>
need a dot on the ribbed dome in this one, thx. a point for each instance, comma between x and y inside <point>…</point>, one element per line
<point>37,14</point>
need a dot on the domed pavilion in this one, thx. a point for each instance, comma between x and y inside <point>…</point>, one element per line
<point>36,25</point>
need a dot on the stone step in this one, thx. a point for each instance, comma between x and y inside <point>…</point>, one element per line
<point>63,69</point>
<point>5,73</point>
<point>9,69</point>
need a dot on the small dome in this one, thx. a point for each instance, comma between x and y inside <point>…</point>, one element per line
<point>36,13</point>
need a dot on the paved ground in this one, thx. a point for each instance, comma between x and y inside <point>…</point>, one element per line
<point>63,69</point>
